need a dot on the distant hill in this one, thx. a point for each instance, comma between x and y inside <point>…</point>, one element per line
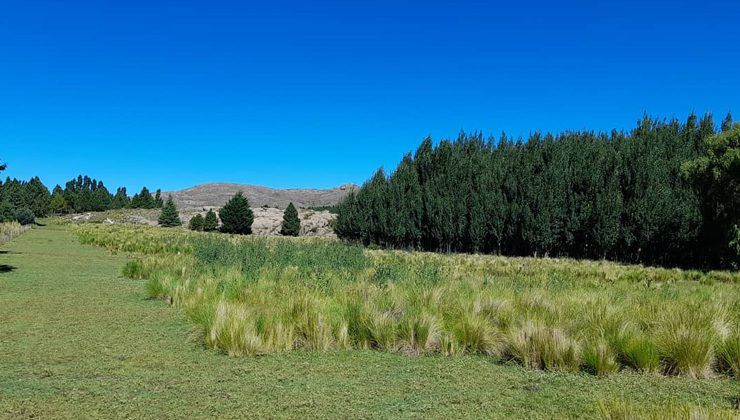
<point>217,194</point>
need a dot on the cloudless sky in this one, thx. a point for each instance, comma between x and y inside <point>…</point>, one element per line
<point>170,94</point>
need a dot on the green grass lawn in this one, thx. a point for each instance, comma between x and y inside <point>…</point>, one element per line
<point>78,340</point>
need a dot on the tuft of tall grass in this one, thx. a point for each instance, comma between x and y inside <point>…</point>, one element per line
<point>728,355</point>
<point>476,334</point>
<point>10,230</point>
<point>536,345</point>
<point>685,341</point>
<point>599,358</point>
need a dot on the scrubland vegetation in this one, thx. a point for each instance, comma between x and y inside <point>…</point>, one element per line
<point>261,295</point>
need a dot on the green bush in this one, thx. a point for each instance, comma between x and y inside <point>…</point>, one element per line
<point>25,216</point>
<point>197,223</point>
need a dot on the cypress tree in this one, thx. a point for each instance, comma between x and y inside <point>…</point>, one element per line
<point>236,216</point>
<point>197,223</point>
<point>291,222</point>
<point>143,200</point>
<point>120,199</point>
<point>57,203</point>
<point>169,217</point>
<point>727,123</point>
<point>210,223</point>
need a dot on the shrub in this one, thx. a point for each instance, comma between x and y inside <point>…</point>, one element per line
<point>236,216</point>
<point>197,223</point>
<point>291,222</point>
<point>25,216</point>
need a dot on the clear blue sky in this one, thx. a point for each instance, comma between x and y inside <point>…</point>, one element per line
<point>170,94</point>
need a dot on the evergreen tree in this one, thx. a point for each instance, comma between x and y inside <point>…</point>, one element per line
<point>7,212</point>
<point>197,223</point>
<point>120,199</point>
<point>143,200</point>
<point>57,203</point>
<point>236,216</point>
<point>291,223</point>
<point>727,123</point>
<point>37,197</point>
<point>716,178</point>
<point>169,217</point>
<point>158,202</point>
<point>210,222</point>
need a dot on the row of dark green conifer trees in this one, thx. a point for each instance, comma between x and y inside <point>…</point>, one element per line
<point>620,196</point>
<point>81,194</point>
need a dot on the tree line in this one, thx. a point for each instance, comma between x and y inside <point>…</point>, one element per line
<point>81,194</point>
<point>651,195</point>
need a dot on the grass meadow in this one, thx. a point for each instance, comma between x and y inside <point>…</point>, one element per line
<point>78,340</point>
<point>255,296</point>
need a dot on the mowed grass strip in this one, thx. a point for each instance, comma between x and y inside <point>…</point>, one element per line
<point>79,341</point>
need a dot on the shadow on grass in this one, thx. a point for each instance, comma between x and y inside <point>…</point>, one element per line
<point>8,252</point>
<point>6,268</point>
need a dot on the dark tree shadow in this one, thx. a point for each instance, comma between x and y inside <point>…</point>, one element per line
<point>8,252</point>
<point>6,268</point>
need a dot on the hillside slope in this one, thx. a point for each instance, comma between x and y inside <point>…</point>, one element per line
<point>217,194</point>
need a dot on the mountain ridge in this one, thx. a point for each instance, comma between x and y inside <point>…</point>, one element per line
<point>216,194</point>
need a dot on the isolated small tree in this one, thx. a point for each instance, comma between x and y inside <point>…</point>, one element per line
<point>197,223</point>
<point>210,223</point>
<point>291,222</point>
<point>236,216</point>
<point>169,216</point>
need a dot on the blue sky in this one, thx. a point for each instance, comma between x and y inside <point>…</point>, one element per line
<point>170,94</point>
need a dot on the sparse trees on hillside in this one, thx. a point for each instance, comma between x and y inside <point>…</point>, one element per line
<point>169,217</point>
<point>236,215</point>
<point>291,223</point>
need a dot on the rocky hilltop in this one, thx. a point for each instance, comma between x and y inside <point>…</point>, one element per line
<point>217,194</point>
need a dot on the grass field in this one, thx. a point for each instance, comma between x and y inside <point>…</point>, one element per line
<point>79,340</point>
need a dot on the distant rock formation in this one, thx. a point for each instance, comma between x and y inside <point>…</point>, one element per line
<point>217,194</point>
